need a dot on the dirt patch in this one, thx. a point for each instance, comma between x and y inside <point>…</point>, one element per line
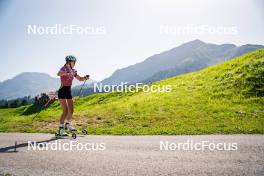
<point>54,124</point>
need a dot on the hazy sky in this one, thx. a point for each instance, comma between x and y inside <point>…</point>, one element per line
<point>132,31</point>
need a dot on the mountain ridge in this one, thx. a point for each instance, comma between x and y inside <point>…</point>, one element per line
<point>188,57</point>
<point>27,84</point>
<point>208,53</point>
<point>31,84</point>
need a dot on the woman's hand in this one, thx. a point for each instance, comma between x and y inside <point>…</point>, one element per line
<point>86,77</point>
<point>74,72</point>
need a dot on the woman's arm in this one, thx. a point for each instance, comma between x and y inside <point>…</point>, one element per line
<point>82,78</point>
<point>62,73</point>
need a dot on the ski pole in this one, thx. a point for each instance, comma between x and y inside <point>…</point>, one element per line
<point>44,106</point>
<point>81,88</point>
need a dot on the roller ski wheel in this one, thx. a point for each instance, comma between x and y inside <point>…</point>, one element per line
<point>74,136</point>
<point>84,132</point>
<point>59,135</point>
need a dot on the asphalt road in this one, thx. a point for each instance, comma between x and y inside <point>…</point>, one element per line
<point>132,155</point>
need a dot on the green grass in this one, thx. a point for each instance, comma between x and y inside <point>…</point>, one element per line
<point>222,99</point>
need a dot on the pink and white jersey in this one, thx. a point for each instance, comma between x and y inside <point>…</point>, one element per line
<point>66,80</point>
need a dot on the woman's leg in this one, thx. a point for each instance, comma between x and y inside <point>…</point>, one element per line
<point>70,109</point>
<point>65,110</point>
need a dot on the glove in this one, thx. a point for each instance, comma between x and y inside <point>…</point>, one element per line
<point>86,77</point>
<point>74,72</point>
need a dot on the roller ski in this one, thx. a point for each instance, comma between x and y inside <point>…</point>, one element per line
<point>70,129</point>
<point>62,132</point>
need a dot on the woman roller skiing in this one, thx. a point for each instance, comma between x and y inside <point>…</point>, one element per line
<point>67,74</point>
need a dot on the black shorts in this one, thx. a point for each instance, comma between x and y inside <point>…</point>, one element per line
<point>65,92</point>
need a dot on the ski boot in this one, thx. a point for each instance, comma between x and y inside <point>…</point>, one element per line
<point>62,132</point>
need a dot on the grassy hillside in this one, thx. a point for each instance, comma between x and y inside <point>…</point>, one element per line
<point>227,98</point>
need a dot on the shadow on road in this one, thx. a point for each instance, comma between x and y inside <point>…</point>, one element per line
<point>14,147</point>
